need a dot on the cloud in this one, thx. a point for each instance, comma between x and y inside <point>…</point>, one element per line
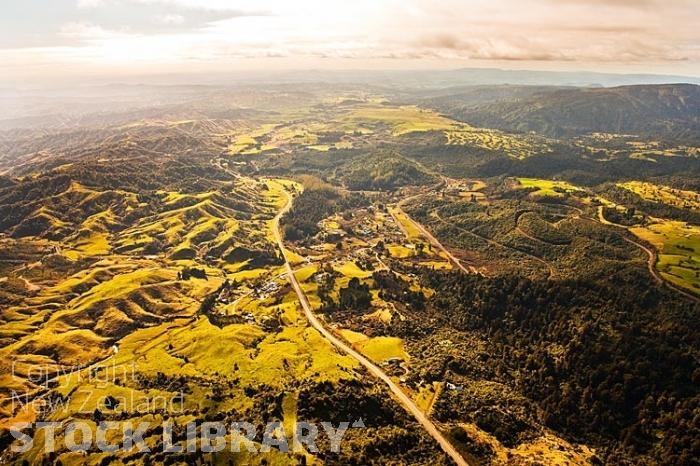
<point>362,31</point>
<point>87,31</point>
<point>89,3</point>
<point>157,17</point>
<point>613,3</point>
<point>206,5</point>
<point>171,18</point>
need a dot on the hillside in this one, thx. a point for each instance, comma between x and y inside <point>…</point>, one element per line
<point>554,281</point>
<point>670,110</point>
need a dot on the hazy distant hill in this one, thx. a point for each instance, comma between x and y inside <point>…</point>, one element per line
<point>441,79</point>
<point>471,95</point>
<point>669,110</point>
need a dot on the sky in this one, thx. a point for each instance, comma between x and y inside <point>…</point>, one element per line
<point>51,39</point>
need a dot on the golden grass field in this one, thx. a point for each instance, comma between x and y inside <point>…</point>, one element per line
<point>122,286</point>
<point>678,246</point>
<point>368,116</point>
<point>270,137</point>
<point>378,349</point>
<point>664,194</point>
<point>548,187</point>
<point>402,120</point>
<point>133,299</point>
<point>518,147</point>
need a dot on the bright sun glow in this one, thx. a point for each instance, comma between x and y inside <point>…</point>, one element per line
<point>650,36</point>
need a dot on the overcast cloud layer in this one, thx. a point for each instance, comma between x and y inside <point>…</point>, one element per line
<point>46,37</point>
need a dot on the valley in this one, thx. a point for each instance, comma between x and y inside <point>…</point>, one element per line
<point>471,292</point>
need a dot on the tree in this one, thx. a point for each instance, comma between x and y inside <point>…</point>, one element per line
<point>355,296</point>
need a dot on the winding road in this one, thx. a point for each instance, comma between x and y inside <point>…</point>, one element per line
<point>404,399</point>
<point>651,265</point>
<point>652,257</point>
<point>373,369</point>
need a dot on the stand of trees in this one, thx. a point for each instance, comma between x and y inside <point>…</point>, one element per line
<point>626,377</point>
<point>312,206</point>
<point>355,296</point>
<point>654,209</point>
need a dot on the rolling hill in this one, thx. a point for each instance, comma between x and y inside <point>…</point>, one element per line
<point>669,110</point>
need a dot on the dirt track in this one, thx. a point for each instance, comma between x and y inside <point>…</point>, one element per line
<point>404,399</point>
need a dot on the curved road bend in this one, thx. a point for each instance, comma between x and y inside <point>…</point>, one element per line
<point>407,403</point>
<point>651,258</point>
<point>651,265</point>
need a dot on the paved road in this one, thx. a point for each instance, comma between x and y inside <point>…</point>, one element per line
<point>407,403</point>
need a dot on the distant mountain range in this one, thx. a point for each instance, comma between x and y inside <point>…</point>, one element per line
<point>669,110</point>
<point>490,76</point>
<point>435,79</point>
<point>388,79</point>
<point>555,104</point>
